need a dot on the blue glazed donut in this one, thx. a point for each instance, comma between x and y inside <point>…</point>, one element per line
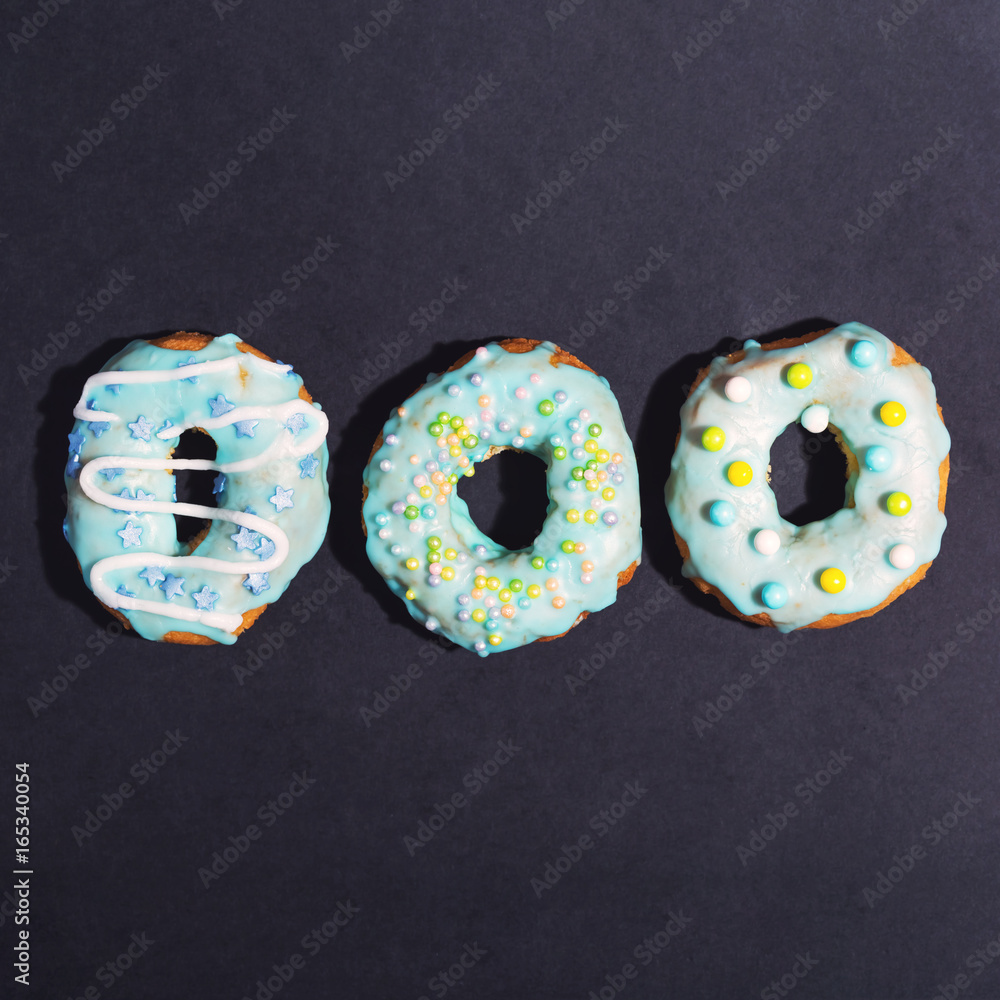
<point>529,396</point>
<point>272,490</point>
<point>882,407</point>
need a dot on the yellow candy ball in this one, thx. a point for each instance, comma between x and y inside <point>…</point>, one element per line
<point>832,580</point>
<point>447,573</point>
<point>739,473</point>
<point>573,516</point>
<point>534,590</point>
<point>495,640</point>
<point>713,438</point>
<point>892,413</point>
<point>898,504</point>
<point>799,375</point>
<point>479,615</point>
<point>412,563</point>
<point>590,516</point>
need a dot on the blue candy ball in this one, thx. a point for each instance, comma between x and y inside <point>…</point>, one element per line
<point>722,513</point>
<point>864,353</point>
<point>774,595</point>
<point>878,458</point>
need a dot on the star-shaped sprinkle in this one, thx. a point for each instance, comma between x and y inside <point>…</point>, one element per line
<point>124,593</point>
<point>245,538</point>
<point>130,535</point>
<point>257,583</point>
<point>266,549</point>
<point>296,422</point>
<point>172,586</point>
<point>111,474</point>
<point>76,440</point>
<point>288,368</point>
<point>73,466</point>
<point>152,575</point>
<point>116,389</point>
<point>220,483</point>
<point>244,428</point>
<point>220,405</point>
<point>308,467</point>
<point>127,494</point>
<point>282,498</point>
<point>183,364</point>
<point>249,510</point>
<point>164,432</point>
<point>141,428</point>
<point>98,427</point>
<point>205,598</point>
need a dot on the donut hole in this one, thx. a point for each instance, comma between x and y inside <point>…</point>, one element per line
<point>808,474</point>
<point>507,497</point>
<point>193,485</point>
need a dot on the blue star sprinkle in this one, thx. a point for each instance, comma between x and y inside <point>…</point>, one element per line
<point>140,428</point>
<point>98,427</point>
<point>220,483</point>
<point>116,389</point>
<point>282,498</point>
<point>73,466</point>
<point>172,586</point>
<point>125,593</point>
<point>152,575</point>
<point>205,598</point>
<point>245,538</point>
<point>244,428</point>
<point>167,424</point>
<point>266,549</point>
<point>111,474</point>
<point>130,535</point>
<point>220,405</point>
<point>257,583</point>
<point>296,422</point>
<point>289,371</point>
<point>249,510</point>
<point>66,529</point>
<point>183,364</point>
<point>308,467</point>
<point>76,440</point>
<point>127,494</point>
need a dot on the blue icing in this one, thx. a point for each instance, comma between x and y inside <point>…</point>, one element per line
<point>856,539</point>
<point>130,537</point>
<point>463,584</point>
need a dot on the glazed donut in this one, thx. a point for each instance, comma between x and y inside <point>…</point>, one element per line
<point>881,406</point>
<point>529,396</point>
<point>121,493</point>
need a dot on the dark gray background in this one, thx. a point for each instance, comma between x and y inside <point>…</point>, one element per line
<point>779,237</point>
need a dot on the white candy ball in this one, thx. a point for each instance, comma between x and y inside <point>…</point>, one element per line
<point>738,389</point>
<point>902,556</point>
<point>766,542</point>
<point>815,418</point>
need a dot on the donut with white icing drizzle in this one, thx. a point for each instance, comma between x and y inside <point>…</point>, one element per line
<point>881,405</point>
<point>121,494</point>
<point>529,396</point>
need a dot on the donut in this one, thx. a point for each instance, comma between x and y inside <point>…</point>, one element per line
<point>881,406</point>
<point>271,486</point>
<point>521,395</point>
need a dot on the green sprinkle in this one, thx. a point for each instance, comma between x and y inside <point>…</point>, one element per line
<point>436,429</point>
<point>546,407</point>
<point>412,513</point>
<point>577,472</point>
<point>568,546</point>
<point>595,430</point>
<point>560,453</point>
<point>443,417</point>
<point>457,422</point>
<point>434,542</point>
<point>516,585</point>
<point>538,562</point>
<point>471,441</point>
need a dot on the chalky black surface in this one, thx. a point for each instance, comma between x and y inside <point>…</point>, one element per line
<point>647,185</point>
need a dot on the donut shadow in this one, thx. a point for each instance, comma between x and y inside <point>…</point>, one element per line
<point>348,463</point>
<point>654,446</point>
<point>59,563</point>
